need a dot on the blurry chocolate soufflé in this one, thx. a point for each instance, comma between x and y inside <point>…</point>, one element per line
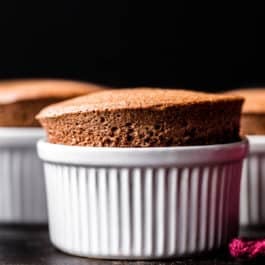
<point>22,99</point>
<point>253,116</point>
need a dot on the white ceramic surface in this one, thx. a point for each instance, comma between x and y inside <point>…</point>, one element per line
<point>142,203</point>
<point>252,198</point>
<point>22,187</point>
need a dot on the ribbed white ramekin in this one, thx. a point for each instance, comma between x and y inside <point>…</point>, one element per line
<point>22,187</point>
<point>142,203</point>
<point>252,199</point>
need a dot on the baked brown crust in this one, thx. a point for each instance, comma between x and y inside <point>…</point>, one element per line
<point>143,118</point>
<point>253,116</point>
<point>36,89</point>
<point>21,100</point>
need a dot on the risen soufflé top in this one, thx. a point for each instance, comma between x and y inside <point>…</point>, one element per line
<point>143,117</point>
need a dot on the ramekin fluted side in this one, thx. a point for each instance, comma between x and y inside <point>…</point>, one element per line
<point>22,187</point>
<point>252,198</point>
<point>142,212</point>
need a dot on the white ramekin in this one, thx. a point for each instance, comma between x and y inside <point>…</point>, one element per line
<point>252,198</point>
<point>22,187</point>
<point>142,203</point>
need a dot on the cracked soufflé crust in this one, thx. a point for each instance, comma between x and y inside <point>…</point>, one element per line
<point>253,116</point>
<point>21,100</point>
<point>143,118</point>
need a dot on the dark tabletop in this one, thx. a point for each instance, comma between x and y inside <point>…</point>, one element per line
<point>27,245</point>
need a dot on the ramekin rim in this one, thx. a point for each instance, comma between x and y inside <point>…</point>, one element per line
<point>256,143</point>
<point>20,136</point>
<point>18,130</point>
<point>122,156</point>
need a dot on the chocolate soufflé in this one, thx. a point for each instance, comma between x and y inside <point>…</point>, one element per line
<point>21,100</point>
<point>143,117</point>
<point>253,116</point>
